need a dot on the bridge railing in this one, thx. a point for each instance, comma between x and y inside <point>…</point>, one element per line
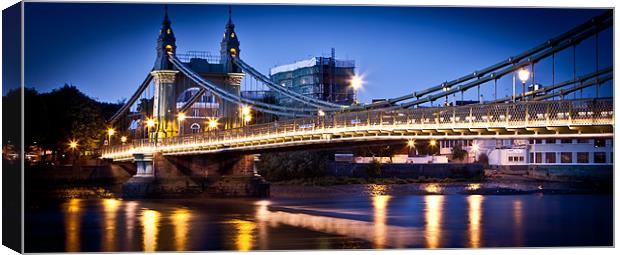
<point>513,115</point>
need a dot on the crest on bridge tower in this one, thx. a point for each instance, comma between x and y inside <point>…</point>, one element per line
<point>166,42</point>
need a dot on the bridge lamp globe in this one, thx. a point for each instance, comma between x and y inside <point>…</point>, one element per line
<point>123,139</point>
<point>111,131</point>
<point>213,123</point>
<point>150,123</point>
<point>433,142</point>
<point>356,82</point>
<point>475,147</point>
<point>245,110</point>
<point>524,75</point>
<point>247,118</point>
<point>181,116</point>
<point>411,143</point>
<point>321,113</point>
<point>73,144</point>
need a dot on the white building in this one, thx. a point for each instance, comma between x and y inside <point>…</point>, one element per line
<point>575,151</point>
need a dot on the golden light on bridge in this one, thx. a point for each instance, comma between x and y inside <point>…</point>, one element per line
<point>321,113</point>
<point>150,122</point>
<point>524,75</point>
<point>111,131</point>
<point>411,143</point>
<point>181,116</point>
<point>123,139</point>
<point>432,142</point>
<point>213,123</point>
<point>245,110</point>
<point>356,82</point>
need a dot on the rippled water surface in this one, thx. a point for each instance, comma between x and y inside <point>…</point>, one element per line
<point>376,221</point>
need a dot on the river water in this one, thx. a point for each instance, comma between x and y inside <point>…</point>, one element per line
<point>326,222</point>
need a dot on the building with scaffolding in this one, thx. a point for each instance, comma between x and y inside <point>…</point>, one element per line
<point>325,78</point>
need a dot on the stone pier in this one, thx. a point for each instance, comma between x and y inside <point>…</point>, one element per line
<point>225,175</point>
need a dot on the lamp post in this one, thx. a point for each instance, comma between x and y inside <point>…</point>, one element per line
<point>246,114</point>
<point>149,124</point>
<point>123,139</point>
<point>111,132</point>
<point>181,117</point>
<point>213,123</point>
<point>524,75</point>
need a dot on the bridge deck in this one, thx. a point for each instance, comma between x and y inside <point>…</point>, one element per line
<point>566,118</point>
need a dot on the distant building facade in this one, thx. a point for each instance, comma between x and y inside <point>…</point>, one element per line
<point>325,78</point>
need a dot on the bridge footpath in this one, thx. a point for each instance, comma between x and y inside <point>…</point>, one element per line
<point>535,119</point>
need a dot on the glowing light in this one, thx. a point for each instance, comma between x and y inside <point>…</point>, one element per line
<point>123,139</point>
<point>432,188</point>
<point>246,110</point>
<point>73,144</point>
<point>181,116</point>
<point>433,142</point>
<point>356,82</point>
<point>150,122</point>
<point>150,228</point>
<point>321,113</point>
<point>473,186</point>
<point>111,131</point>
<point>213,123</point>
<point>433,215</point>
<point>475,215</point>
<point>475,147</point>
<point>411,143</point>
<point>524,75</point>
<point>247,118</point>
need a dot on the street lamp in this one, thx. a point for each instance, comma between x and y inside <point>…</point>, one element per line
<point>246,116</point>
<point>432,143</point>
<point>411,145</point>
<point>123,139</point>
<point>150,122</point>
<point>73,144</point>
<point>181,117</point>
<point>524,75</point>
<point>356,83</point>
<point>213,123</point>
<point>111,132</point>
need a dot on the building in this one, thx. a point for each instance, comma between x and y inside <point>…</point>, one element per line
<point>522,152</point>
<point>325,78</point>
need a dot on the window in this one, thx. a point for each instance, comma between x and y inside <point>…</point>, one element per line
<point>531,157</point>
<point>566,157</point>
<point>549,141</point>
<point>567,140</point>
<point>599,142</point>
<point>195,128</point>
<point>510,159</point>
<point>521,158</point>
<point>550,157</point>
<point>531,141</point>
<point>583,140</point>
<point>538,141</point>
<point>196,113</point>
<point>582,157</point>
<point>599,157</point>
<point>538,157</point>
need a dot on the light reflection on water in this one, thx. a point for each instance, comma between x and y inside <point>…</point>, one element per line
<point>380,221</point>
<point>475,217</point>
<point>433,214</point>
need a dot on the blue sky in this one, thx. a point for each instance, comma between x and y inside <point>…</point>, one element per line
<point>107,49</point>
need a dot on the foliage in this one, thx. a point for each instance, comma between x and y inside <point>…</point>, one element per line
<point>280,166</point>
<point>54,118</point>
<point>458,152</point>
<point>373,168</point>
<point>483,159</point>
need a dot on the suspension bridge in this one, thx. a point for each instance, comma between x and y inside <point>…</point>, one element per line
<point>233,132</point>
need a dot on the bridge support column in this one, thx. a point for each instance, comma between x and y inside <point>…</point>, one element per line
<point>144,165</point>
<point>164,104</point>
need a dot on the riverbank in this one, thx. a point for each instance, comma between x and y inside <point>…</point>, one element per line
<point>493,184</point>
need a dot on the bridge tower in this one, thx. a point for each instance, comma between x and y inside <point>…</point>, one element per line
<point>229,49</point>
<point>164,100</point>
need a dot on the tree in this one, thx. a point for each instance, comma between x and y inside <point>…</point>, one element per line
<point>458,152</point>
